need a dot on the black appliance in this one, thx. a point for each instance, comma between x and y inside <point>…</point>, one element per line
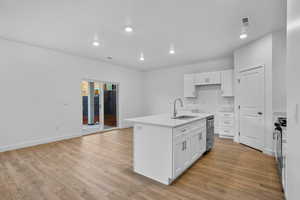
<point>210,133</point>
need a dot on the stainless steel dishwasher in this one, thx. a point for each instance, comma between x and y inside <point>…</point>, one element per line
<point>210,133</point>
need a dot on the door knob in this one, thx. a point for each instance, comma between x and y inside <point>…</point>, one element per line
<point>260,113</point>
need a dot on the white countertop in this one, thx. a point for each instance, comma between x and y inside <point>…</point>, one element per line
<point>166,120</point>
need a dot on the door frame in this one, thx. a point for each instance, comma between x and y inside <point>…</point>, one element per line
<point>237,139</point>
<point>102,107</point>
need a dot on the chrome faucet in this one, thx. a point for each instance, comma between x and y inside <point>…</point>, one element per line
<point>175,110</point>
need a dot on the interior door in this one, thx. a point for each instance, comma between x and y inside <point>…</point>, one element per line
<point>251,107</point>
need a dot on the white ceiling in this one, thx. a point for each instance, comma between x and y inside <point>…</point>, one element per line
<point>199,29</point>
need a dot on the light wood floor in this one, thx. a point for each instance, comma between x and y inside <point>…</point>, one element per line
<point>100,167</point>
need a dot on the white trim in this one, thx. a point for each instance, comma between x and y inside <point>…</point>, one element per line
<point>37,142</point>
<point>226,137</point>
<point>251,68</point>
<point>47,140</point>
<point>99,131</point>
<point>269,152</point>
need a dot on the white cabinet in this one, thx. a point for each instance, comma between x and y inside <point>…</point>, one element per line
<point>178,150</point>
<point>189,86</point>
<point>198,143</point>
<point>208,78</point>
<point>202,140</point>
<point>162,152</point>
<point>187,152</point>
<point>189,143</point>
<point>227,83</point>
<point>225,78</point>
<point>226,124</point>
<point>195,145</point>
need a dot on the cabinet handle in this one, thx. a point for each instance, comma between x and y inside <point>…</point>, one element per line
<point>182,146</point>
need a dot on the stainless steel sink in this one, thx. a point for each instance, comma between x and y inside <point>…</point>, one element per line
<point>185,117</point>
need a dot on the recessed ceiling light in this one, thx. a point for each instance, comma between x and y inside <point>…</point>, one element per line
<point>172,49</point>
<point>96,40</point>
<point>96,43</point>
<point>243,36</point>
<point>128,29</point>
<point>109,57</point>
<point>142,57</point>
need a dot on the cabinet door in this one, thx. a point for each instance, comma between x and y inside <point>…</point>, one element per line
<point>178,151</point>
<point>202,141</point>
<point>227,83</point>
<point>189,86</point>
<point>187,152</point>
<point>207,78</point>
<point>214,77</point>
<point>195,145</point>
<point>199,78</point>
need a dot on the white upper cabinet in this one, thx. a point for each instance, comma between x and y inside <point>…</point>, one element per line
<point>208,78</point>
<point>223,78</point>
<point>189,85</point>
<point>227,83</point>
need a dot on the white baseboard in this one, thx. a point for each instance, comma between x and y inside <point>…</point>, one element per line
<point>226,137</point>
<point>37,142</point>
<point>268,151</point>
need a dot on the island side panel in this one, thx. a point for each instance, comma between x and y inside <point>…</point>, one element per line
<point>153,152</point>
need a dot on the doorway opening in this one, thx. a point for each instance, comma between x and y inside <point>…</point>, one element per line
<point>99,106</point>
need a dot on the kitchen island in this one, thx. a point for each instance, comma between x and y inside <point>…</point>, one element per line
<point>164,147</point>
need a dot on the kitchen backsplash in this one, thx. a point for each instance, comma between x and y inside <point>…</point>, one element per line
<point>209,99</point>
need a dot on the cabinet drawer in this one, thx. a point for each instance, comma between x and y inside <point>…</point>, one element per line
<point>200,124</point>
<point>226,122</point>
<point>226,131</point>
<point>182,130</point>
<point>226,114</point>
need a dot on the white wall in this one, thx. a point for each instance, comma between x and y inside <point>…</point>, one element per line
<point>293,99</point>
<point>258,53</point>
<point>40,93</point>
<point>279,71</point>
<point>163,86</point>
